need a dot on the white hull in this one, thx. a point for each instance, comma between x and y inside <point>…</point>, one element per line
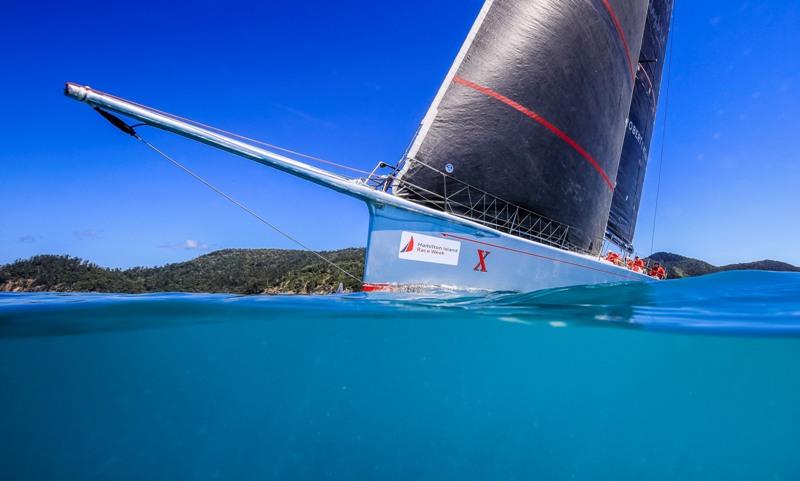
<point>454,253</point>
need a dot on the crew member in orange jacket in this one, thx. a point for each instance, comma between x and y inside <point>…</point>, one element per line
<point>657,271</point>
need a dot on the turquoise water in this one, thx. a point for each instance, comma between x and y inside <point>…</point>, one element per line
<point>694,379</point>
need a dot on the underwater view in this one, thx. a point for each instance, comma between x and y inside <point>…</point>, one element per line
<point>691,379</point>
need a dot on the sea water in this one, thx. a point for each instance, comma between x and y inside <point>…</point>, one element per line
<point>695,379</point>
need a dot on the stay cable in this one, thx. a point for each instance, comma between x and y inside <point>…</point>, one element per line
<point>245,208</point>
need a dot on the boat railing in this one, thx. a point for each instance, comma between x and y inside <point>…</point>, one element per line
<point>467,201</point>
<point>628,261</point>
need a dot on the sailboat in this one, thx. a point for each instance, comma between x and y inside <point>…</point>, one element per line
<point>528,166</point>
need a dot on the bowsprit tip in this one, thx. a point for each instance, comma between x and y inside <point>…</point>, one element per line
<point>77,92</point>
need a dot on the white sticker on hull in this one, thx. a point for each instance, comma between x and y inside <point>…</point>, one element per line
<point>424,248</point>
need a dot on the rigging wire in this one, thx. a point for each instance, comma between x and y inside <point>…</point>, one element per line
<point>242,137</point>
<point>245,208</point>
<point>664,130</point>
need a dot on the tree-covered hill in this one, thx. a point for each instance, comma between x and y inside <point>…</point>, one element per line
<point>238,271</point>
<point>680,266</point>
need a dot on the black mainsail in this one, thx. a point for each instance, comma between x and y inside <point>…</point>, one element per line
<point>641,120</point>
<point>534,112</point>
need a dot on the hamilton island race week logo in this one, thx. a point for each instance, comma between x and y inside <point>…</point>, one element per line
<point>425,248</point>
<point>409,247</point>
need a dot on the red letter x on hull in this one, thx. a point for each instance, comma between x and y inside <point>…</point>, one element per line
<point>481,265</point>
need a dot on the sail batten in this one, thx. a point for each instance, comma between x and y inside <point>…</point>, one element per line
<point>533,111</point>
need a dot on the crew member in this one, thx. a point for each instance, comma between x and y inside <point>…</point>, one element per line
<point>612,257</point>
<point>638,264</point>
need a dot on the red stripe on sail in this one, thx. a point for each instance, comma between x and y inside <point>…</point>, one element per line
<point>533,115</point>
<point>621,33</point>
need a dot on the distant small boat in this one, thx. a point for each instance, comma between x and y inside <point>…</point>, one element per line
<point>529,164</point>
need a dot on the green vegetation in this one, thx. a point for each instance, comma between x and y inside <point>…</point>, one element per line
<point>680,266</point>
<point>238,271</point>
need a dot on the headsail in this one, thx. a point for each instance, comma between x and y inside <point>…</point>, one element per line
<point>533,112</point>
<point>639,132</point>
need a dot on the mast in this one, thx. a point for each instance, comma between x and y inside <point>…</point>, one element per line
<point>533,112</point>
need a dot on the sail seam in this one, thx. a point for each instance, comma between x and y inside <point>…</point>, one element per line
<point>539,119</point>
<point>622,37</point>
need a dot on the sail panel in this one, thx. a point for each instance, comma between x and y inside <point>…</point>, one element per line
<point>640,124</point>
<point>534,112</point>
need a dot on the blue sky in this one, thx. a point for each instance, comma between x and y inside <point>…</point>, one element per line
<point>350,81</point>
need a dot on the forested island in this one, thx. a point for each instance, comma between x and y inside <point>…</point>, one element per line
<point>251,271</point>
<point>680,266</point>
<point>236,271</point>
